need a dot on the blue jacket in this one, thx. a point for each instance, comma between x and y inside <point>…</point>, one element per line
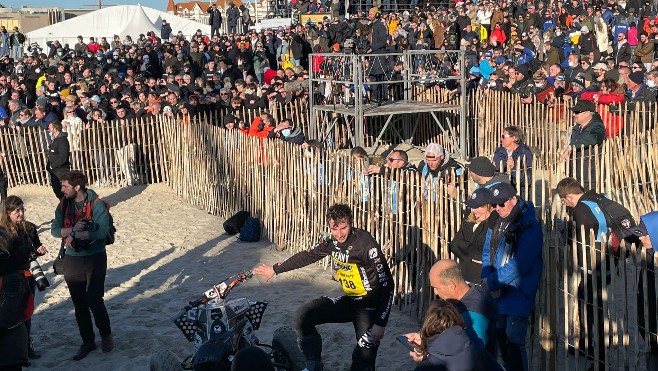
<point>516,268</point>
<point>522,151</point>
<point>650,221</point>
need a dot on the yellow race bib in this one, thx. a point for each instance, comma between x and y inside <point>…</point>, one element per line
<point>350,279</point>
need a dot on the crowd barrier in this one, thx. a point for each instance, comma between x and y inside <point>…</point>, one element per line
<point>290,188</point>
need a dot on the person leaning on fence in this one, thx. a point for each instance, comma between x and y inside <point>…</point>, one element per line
<point>609,221</point>
<point>511,268</point>
<point>514,158</point>
<point>482,171</point>
<point>468,242</point>
<point>588,131</point>
<point>647,232</point>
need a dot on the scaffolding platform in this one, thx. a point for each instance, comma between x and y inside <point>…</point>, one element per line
<point>390,108</point>
<point>349,85</point>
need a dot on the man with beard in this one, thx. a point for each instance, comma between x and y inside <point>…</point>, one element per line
<point>83,223</point>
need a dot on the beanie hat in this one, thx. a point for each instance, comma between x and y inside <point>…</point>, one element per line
<point>482,166</point>
<point>637,77</point>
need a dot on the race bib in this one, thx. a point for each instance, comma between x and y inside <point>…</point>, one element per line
<point>350,279</point>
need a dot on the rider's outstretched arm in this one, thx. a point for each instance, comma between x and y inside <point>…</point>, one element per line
<point>303,258</point>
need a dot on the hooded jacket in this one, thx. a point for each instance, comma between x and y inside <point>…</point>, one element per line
<point>516,266</point>
<point>452,350</point>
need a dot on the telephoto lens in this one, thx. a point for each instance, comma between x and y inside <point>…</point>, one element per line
<point>39,276</point>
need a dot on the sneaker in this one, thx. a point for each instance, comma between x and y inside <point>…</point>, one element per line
<point>107,344</point>
<point>84,350</point>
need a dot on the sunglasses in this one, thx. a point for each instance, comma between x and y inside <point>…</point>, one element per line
<point>577,112</point>
<point>390,159</point>
<point>498,205</point>
<point>504,136</point>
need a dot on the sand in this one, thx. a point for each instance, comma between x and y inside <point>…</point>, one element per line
<point>167,253</point>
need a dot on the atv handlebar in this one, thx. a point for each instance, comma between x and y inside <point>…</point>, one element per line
<point>221,290</point>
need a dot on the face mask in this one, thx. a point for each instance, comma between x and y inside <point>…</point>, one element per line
<point>573,65</point>
<point>51,136</point>
<point>99,58</point>
<point>539,84</point>
<point>89,55</point>
<point>115,56</point>
<point>285,132</point>
<point>122,60</point>
<point>109,61</point>
<point>651,84</point>
<point>558,33</point>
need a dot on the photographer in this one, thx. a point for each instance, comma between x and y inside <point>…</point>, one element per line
<point>13,220</point>
<point>82,222</point>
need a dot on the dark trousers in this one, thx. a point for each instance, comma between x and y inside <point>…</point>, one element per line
<point>85,277</point>
<point>336,310</point>
<point>586,308</point>
<point>33,289</point>
<point>56,185</point>
<point>3,187</point>
<point>214,30</point>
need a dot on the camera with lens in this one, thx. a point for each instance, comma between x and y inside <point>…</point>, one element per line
<point>78,244</point>
<point>39,276</point>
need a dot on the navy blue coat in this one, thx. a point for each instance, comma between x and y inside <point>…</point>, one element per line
<point>517,265</point>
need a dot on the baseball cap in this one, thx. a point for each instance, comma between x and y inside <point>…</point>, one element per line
<point>583,105</point>
<point>435,149</point>
<point>480,197</point>
<point>500,60</point>
<point>601,66</point>
<point>501,192</point>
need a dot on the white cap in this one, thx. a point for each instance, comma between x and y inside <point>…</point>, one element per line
<point>436,149</point>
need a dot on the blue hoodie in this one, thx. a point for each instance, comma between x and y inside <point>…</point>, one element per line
<point>517,266</point>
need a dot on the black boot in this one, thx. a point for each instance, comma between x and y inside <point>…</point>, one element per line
<point>31,353</point>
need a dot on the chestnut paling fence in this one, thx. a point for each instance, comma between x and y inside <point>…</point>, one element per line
<point>414,219</point>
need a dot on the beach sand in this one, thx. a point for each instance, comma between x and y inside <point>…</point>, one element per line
<point>167,253</point>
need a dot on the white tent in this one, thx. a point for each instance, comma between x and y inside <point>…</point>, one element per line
<point>115,20</point>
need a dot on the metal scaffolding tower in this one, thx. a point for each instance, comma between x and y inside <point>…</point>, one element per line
<point>389,85</point>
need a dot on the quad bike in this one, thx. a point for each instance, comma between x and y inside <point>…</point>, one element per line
<point>220,328</point>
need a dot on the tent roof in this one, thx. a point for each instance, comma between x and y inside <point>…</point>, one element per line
<point>120,20</point>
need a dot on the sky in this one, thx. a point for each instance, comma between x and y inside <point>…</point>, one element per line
<point>155,4</point>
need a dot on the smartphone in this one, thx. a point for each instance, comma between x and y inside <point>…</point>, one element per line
<point>403,340</point>
<point>366,162</point>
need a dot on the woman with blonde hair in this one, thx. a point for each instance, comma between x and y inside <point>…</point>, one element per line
<point>468,242</point>
<point>14,222</point>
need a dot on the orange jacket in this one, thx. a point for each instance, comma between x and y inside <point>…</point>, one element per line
<point>256,131</point>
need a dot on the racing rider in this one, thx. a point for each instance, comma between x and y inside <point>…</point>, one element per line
<point>361,269</point>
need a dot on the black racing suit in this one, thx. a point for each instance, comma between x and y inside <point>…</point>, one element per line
<point>365,277</point>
